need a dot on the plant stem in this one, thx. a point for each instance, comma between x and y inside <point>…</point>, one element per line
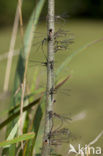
<point>24,82</point>
<point>50,80</point>
<point>11,50</point>
<point>21,18</point>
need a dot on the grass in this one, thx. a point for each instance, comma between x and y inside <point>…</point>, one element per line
<point>86,82</point>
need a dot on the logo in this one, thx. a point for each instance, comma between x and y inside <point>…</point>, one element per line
<point>72,149</point>
<point>85,150</point>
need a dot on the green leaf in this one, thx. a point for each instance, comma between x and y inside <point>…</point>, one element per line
<point>35,144</point>
<point>16,114</point>
<point>17,107</point>
<point>14,130</point>
<point>17,139</point>
<point>36,128</point>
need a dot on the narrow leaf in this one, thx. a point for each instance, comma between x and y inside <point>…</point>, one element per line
<point>13,116</point>
<point>17,139</point>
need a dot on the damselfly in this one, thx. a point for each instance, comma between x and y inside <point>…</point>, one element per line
<point>60,136</point>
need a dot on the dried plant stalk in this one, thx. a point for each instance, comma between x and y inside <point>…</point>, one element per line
<point>50,80</point>
<point>11,50</point>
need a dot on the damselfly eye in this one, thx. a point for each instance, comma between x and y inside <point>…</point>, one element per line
<point>46,141</point>
<point>50,30</point>
<point>54,101</point>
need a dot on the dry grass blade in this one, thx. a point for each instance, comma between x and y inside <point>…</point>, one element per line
<point>20,17</point>
<point>62,82</point>
<point>11,50</point>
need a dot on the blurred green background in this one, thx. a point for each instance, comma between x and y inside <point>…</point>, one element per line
<point>85,103</point>
<point>75,9</point>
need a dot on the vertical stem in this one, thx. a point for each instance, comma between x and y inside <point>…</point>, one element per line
<point>11,50</point>
<point>50,80</point>
<point>21,18</point>
<point>23,83</point>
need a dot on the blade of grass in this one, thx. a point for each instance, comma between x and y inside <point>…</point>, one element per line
<point>14,130</point>
<point>16,114</point>
<point>35,127</point>
<point>11,50</point>
<point>28,97</point>
<point>38,142</point>
<point>23,84</point>
<point>37,121</point>
<point>17,139</point>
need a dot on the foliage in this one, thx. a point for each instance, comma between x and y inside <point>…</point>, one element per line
<point>81,8</point>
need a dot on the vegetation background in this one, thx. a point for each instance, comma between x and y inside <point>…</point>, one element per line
<point>76,9</point>
<point>85,103</point>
